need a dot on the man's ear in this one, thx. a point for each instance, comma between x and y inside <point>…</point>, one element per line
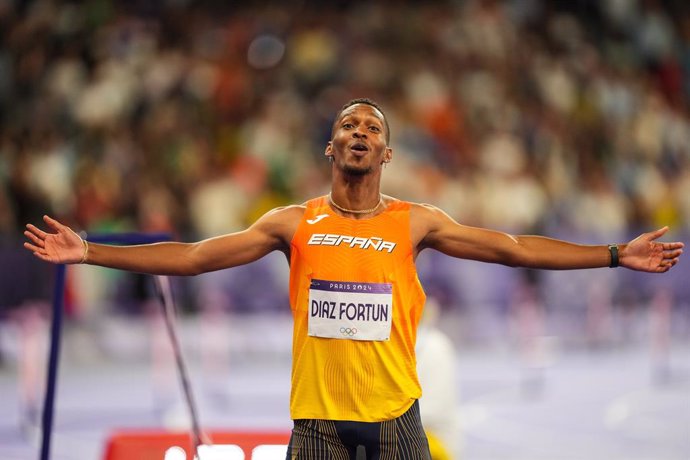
<point>329,149</point>
<point>388,155</point>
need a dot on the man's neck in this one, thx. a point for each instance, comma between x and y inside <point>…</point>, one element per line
<point>356,193</point>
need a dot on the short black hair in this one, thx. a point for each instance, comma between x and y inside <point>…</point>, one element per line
<point>369,102</point>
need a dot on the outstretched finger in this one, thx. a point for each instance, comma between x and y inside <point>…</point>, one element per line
<point>36,231</point>
<point>44,257</point>
<point>668,264</point>
<point>34,238</point>
<point>656,234</point>
<point>672,254</point>
<point>37,250</point>
<point>54,224</point>
<point>670,259</point>
<point>673,245</point>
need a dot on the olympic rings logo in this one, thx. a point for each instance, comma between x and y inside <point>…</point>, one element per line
<point>348,331</point>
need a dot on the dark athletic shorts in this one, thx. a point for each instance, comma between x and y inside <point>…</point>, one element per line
<point>402,438</point>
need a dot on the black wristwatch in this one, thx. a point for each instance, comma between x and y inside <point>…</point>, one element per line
<point>613,250</point>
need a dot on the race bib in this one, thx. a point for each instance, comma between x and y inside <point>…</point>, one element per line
<point>347,310</point>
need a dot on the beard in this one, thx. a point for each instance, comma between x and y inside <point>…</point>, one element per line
<point>355,171</point>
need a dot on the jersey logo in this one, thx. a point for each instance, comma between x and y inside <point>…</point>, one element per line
<point>317,219</point>
<point>330,239</point>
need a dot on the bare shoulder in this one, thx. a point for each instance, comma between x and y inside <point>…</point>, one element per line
<point>426,214</point>
<point>424,220</point>
<point>290,212</point>
<point>423,208</point>
<point>281,222</point>
<point>283,215</point>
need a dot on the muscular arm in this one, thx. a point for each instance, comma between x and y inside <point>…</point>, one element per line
<point>273,231</point>
<point>432,228</point>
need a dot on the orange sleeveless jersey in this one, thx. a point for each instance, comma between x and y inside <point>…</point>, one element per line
<point>342,378</point>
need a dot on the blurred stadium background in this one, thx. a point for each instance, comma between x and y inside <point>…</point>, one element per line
<point>564,118</point>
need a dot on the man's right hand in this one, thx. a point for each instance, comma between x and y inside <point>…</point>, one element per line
<point>62,247</point>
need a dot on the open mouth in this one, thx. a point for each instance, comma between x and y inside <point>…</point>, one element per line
<point>359,147</point>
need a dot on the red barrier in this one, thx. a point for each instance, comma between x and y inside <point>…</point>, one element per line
<point>152,444</point>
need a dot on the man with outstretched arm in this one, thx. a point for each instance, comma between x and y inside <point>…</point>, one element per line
<point>354,292</point>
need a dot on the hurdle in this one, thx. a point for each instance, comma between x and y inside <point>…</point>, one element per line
<point>56,326</point>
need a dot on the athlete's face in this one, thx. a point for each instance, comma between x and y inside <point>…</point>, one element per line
<point>358,146</point>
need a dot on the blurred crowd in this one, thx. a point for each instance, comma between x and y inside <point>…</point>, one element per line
<point>194,117</point>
